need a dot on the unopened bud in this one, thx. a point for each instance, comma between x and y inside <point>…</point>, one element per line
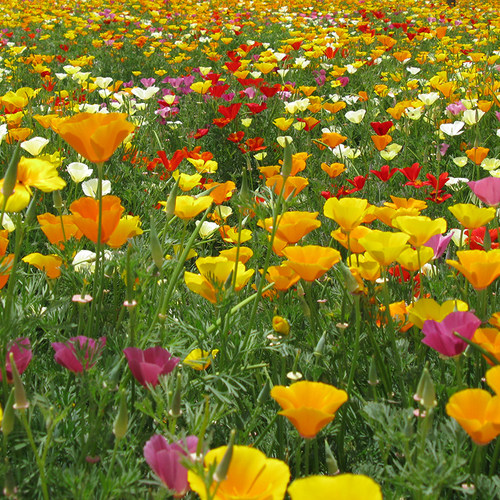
<point>331,463</point>
<point>223,466</point>
<point>30,212</point>
<point>263,394</point>
<point>8,420</point>
<point>156,249</point>
<point>177,397</point>
<point>318,350</point>
<point>10,179</point>
<point>281,325</point>
<point>20,400</point>
<point>170,207</point>
<point>372,373</point>
<point>120,425</point>
<point>57,199</point>
<point>426,392</point>
<point>286,169</point>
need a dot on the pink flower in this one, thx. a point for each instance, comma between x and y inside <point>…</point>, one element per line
<point>439,244</point>
<point>165,460</point>
<point>76,350</point>
<point>146,366</point>
<point>21,349</point>
<point>487,190</point>
<point>439,334</point>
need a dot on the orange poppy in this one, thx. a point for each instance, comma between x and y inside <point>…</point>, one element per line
<point>86,216</point>
<point>309,406</point>
<point>58,229</point>
<point>311,261</point>
<point>95,136</point>
<point>479,267</point>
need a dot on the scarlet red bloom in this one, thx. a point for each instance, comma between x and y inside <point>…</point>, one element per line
<point>385,173</point>
<point>21,349</point>
<point>200,133</point>
<point>358,182</point>
<point>476,238</point>
<point>230,111</point>
<point>171,165</point>
<point>270,91</point>
<point>236,136</point>
<point>256,108</point>
<point>381,128</point>
<point>412,173</point>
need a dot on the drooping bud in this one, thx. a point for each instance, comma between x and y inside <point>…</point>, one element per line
<point>120,425</point>
<point>20,400</point>
<point>223,466</point>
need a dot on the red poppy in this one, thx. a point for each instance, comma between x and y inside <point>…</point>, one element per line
<point>385,173</point>
<point>358,182</point>
<point>412,173</point>
<point>217,90</point>
<point>381,128</point>
<point>270,91</point>
<point>256,108</point>
<point>230,112</point>
<point>476,238</point>
<point>171,165</point>
<point>236,136</point>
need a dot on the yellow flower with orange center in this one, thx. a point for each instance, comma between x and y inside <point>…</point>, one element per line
<point>312,261</point>
<point>309,406</point>
<point>348,213</point>
<point>384,247</point>
<point>31,172</point>
<point>95,136</point>
<point>292,226</point>
<point>51,264</point>
<point>472,216</point>
<point>419,227</point>
<point>479,268</point>
<point>250,476</point>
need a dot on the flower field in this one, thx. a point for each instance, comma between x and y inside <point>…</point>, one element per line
<point>250,250</point>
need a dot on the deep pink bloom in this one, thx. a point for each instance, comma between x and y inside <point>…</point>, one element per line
<point>165,460</point>
<point>78,350</point>
<point>439,244</point>
<point>21,349</point>
<point>439,334</point>
<point>487,190</point>
<point>146,366</point>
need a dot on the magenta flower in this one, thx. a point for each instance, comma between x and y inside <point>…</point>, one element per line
<point>439,334</point>
<point>78,350</point>
<point>21,349</point>
<point>146,366</point>
<point>439,244</point>
<point>165,460</point>
<point>487,190</point>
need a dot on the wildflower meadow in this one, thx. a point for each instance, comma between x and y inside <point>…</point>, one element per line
<point>250,249</point>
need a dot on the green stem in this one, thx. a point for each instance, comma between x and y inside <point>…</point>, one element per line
<point>40,464</point>
<point>494,459</point>
<point>484,352</point>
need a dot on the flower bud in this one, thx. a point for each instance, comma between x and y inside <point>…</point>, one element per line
<point>426,393</point>
<point>331,463</point>
<point>286,169</point>
<point>156,249</point>
<point>10,178</point>
<point>318,350</point>
<point>120,425</point>
<point>176,411</point>
<point>170,206</point>
<point>372,373</point>
<point>223,466</point>
<point>57,199</point>
<point>21,402</point>
<point>281,326</point>
<point>8,420</point>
